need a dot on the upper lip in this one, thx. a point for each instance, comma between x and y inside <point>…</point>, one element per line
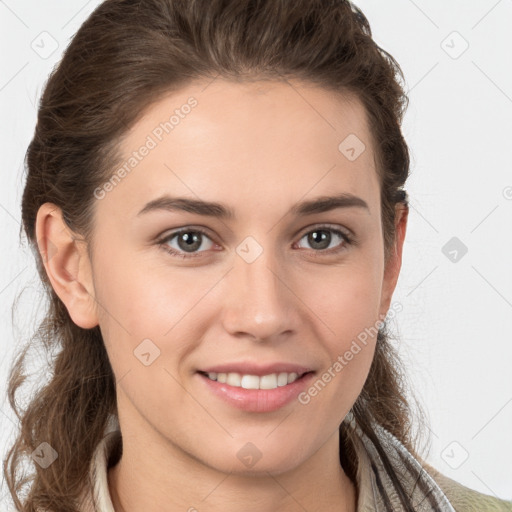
<point>249,368</point>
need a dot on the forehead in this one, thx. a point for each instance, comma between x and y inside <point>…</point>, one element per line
<point>246,144</point>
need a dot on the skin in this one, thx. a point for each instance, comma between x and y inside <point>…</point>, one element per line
<point>259,148</point>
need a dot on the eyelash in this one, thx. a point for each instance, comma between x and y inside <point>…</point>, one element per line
<point>347,240</point>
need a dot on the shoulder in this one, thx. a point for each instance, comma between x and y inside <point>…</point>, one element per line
<point>465,499</point>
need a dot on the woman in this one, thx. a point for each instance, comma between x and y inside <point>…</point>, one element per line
<point>216,191</point>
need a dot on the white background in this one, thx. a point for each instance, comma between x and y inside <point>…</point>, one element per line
<point>456,323</point>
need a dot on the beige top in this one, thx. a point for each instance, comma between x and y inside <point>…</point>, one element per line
<point>431,491</point>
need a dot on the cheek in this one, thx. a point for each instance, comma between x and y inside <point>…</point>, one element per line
<point>347,305</point>
<point>141,321</point>
<point>136,296</point>
<point>346,299</point>
<point>348,310</point>
<point>146,308</point>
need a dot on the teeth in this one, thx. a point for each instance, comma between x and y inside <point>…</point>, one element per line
<point>292,377</point>
<point>249,381</point>
<point>282,379</point>
<point>268,381</point>
<point>271,381</point>
<point>234,379</point>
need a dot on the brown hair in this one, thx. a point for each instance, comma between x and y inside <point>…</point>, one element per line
<point>124,57</point>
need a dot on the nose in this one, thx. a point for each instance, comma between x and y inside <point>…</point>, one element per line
<point>259,301</point>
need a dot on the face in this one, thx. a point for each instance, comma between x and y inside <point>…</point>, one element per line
<point>276,285</point>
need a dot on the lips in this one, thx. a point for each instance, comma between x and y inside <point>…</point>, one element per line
<point>256,400</point>
<point>256,387</point>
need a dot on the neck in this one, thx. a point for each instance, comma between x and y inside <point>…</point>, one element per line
<point>146,482</point>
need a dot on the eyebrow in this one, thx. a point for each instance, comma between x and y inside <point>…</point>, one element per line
<point>218,210</point>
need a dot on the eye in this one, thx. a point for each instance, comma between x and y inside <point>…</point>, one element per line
<point>188,242</point>
<point>320,239</point>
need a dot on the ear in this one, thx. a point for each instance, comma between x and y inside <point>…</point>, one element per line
<point>67,265</point>
<point>394,263</point>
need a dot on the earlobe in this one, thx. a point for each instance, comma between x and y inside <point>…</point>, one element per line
<point>67,265</point>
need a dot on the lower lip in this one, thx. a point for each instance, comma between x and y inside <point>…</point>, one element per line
<point>258,400</point>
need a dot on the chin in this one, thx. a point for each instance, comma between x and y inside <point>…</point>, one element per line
<point>251,458</point>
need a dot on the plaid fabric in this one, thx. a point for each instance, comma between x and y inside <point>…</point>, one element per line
<point>377,492</point>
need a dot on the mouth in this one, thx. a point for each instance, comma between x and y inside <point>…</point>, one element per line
<point>255,393</point>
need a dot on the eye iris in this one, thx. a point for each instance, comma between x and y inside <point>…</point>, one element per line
<point>191,243</point>
<point>319,237</point>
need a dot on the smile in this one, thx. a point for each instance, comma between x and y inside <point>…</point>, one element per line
<point>253,393</point>
<point>270,381</point>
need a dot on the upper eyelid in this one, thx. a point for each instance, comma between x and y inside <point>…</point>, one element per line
<point>303,230</point>
<point>327,226</point>
<point>170,235</point>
